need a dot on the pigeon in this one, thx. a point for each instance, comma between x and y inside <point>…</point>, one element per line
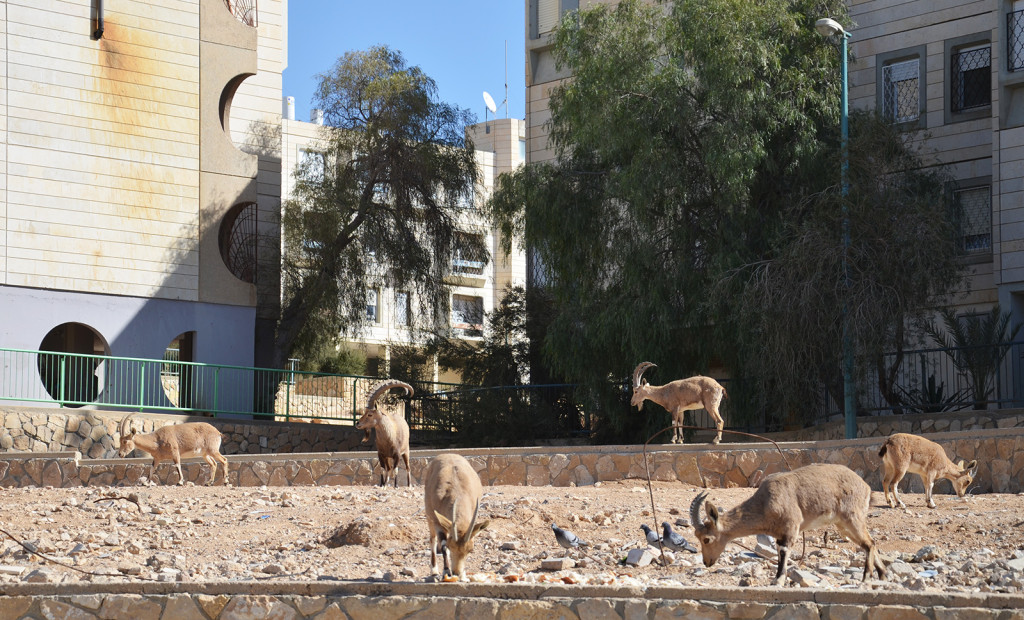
<point>652,536</point>
<point>567,539</point>
<point>675,541</point>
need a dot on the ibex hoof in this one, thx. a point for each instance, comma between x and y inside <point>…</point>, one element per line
<point>715,441</point>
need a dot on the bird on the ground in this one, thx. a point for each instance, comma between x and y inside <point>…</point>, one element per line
<point>567,539</point>
<point>652,536</point>
<point>674,540</point>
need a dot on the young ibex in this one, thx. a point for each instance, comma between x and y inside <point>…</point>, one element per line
<point>679,396</point>
<point>170,443</point>
<point>902,453</point>
<point>452,487</point>
<point>392,433</point>
<point>788,503</point>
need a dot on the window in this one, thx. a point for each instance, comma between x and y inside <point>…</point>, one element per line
<point>1015,37</point>
<point>901,91</point>
<point>402,309</point>
<point>468,315</point>
<point>311,164</point>
<point>372,306</point>
<point>971,78</point>
<point>973,208</point>
<point>470,258</point>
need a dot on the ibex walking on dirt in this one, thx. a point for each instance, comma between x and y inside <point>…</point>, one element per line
<point>170,443</point>
<point>679,396</point>
<point>902,453</point>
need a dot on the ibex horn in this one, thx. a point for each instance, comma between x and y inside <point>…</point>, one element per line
<point>123,428</point>
<point>384,387</point>
<point>454,533</point>
<point>695,505</point>
<point>640,371</point>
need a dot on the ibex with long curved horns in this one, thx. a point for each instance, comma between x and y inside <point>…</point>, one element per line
<point>392,432</point>
<point>678,396</point>
<point>170,443</point>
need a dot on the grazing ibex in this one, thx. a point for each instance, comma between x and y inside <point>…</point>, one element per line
<point>679,396</point>
<point>788,503</point>
<point>452,487</point>
<point>392,433</point>
<point>902,453</point>
<point>170,443</point>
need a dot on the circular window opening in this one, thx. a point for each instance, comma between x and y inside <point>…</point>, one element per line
<point>238,238</point>
<point>71,366</point>
<point>176,373</point>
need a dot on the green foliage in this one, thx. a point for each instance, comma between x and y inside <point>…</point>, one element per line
<point>344,361</point>
<point>976,344</point>
<point>692,216</point>
<point>380,206</point>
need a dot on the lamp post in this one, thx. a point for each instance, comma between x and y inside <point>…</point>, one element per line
<point>828,27</point>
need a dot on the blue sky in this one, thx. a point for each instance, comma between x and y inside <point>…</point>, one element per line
<point>458,43</point>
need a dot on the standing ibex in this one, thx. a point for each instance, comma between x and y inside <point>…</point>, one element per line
<point>788,503</point>
<point>452,487</point>
<point>170,443</point>
<point>392,433</point>
<point>679,396</point>
<point>902,453</point>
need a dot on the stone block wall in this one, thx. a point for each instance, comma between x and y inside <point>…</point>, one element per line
<point>918,424</point>
<point>1000,454</point>
<point>391,601</point>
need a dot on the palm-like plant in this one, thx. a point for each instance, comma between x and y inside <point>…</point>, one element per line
<point>976,344</point>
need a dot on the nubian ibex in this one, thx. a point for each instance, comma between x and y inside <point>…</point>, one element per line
<point>788,503</point>
<point>392,432</point>
<point>452,488</point>
<point>678,396</point>
<point>902,453</point>
<point>170,443</point>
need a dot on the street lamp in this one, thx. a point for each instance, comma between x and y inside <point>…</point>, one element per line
<point>828,27</point>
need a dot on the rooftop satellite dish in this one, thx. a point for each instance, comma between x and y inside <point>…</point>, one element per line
<point>489,102</point>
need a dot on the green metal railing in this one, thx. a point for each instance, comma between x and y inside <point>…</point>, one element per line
<point>75,380</point>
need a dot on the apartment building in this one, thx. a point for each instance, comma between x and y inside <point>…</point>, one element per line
<point>476,286</point>
<point>140,176</point>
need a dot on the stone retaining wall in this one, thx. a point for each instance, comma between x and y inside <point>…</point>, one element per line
<point>918,424</point>
<point>1000,454</point>
<point>94,433</point>
<point>391,601</point>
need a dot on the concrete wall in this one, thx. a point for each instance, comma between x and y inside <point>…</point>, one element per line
<point>391,601</point>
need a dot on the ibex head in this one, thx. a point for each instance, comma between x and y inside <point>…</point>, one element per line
<point>127,437</point>
<point>639,394</point>
<point>370,413</point>
<point>965,477</point>
<point>459,548</point>
<point>712,544</point>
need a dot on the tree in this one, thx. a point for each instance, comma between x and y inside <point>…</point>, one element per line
<point>379,206</point>
<point>696,182</point>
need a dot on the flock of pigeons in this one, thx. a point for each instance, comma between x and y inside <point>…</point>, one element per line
<point>669,538</point>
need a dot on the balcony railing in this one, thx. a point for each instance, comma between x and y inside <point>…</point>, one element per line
<point>243,10</point>
<point>1015,40</point>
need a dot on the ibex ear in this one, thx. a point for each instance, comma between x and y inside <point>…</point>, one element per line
<point>478,527</point>
<point>443,520</point>
<point>972,466</point>
<point>712,512</point>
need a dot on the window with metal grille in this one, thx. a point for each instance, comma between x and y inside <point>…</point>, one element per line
<point>974,214</point>
<point>468,315</point>
<point>372,307</point>
<point>971,85</point>
<point>901,91</point>
<point>402,312</point>
<point>239,237</point>
<point>1015,37</point>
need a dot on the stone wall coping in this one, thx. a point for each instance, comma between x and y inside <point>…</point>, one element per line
<point>765,595</point>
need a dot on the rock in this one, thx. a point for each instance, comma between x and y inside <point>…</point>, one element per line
<point>926,554</point>
<point>639,557</point>
<point>557,564</point>
<point>803,578</point>
<point>41,575</point>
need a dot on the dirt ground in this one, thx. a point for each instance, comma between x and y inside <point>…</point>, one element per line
<point>171,533</point>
